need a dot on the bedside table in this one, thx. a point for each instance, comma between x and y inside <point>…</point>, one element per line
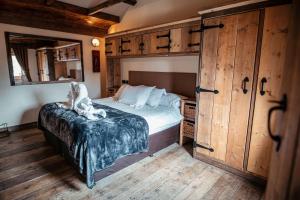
<point>187,125</point>
<point>111,91</point>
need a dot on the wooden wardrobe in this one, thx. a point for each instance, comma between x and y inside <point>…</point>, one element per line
<point>241,62</point>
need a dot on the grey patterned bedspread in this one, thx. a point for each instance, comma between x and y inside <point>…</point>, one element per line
<point>95,145</point>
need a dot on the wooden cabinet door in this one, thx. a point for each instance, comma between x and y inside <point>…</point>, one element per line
<point>159,42</point>
<point>269,80</point>
<point>111,46</point>
<point>283,180</point>
<point>131,46</point>
<point>185,39</point>
<point>228,60</point>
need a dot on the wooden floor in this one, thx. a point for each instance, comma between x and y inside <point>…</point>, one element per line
<point>30,169</point>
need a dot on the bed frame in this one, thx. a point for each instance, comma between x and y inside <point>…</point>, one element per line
<point>179,83</point>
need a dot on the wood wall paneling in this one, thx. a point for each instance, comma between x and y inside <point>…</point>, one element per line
<point>271,67</point>
<point>247,31</point>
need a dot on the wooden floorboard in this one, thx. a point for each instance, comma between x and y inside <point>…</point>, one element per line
<point>30,169</point>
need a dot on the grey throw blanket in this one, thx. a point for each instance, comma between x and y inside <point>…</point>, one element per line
<point>96,145</point>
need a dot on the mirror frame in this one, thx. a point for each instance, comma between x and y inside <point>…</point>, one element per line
<point>10,65</point>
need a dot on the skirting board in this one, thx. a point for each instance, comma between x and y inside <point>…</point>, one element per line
<point>252,178</point>
<point>21,127</point>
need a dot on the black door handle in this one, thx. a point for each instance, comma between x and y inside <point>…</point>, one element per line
<point>244,85</point>
<point>198,90</point>
<point>262,82</point>
<point>282,105</point>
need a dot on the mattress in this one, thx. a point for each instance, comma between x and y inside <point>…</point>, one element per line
<point>158,119</point>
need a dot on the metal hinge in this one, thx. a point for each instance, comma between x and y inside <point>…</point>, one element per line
<point>202,146</point>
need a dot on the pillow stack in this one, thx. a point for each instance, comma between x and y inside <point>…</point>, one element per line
<point>139,96</point>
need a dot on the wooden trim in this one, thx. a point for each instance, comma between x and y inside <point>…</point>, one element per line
<point>235,5</point>
<point>247,175</point>
<point>254,86</point>
<point>245,8</point>
<point>10,65</point>
<point>21,127</point>
<point>9,60</point>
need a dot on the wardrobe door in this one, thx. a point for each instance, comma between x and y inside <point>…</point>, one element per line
<point>269,80</point>
<point>160,42</point>
<point>228,58</point>
<point>131,46</point>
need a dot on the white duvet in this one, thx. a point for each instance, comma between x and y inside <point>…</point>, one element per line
<point>158,119</point>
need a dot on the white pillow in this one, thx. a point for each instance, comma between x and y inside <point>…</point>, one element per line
<point>135,96</point>
<point>155,97</point>
<point>119,92</point>
<point>170,100</point>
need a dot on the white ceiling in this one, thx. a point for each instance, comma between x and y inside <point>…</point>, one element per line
<point>117,9</point>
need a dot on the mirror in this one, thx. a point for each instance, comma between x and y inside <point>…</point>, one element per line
<point>36,59</point>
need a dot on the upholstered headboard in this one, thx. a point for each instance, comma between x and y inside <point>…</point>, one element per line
<point>175,82</point>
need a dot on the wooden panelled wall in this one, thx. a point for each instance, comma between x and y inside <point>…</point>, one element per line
<point>244,62</point>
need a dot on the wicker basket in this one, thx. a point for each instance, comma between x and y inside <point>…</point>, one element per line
<point>188,128</point>
<point>189,110</point>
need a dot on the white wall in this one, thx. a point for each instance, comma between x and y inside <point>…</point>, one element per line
<point>159,64</point>
<point>20,104</point>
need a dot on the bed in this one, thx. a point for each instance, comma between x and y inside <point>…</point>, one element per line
<point>154,128</point>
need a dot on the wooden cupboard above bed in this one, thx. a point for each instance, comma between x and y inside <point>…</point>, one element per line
<point>240,70</point>
<point>179,39</point>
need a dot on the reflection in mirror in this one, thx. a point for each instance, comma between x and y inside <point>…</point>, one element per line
<point>38,59</point>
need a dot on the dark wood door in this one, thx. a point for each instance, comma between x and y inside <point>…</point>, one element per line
<point>284,177</point>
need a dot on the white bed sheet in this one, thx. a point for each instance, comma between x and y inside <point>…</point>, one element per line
<point>158,119</point>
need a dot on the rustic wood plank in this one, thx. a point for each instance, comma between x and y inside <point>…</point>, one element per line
<point>26,157</point>
<point>22,149</point>
<point>200,185</point>
<point>271,67</point>
<point>240,102</point>
<point>207,81</point>
<point>22,169</point>
<point>283,179</point>
<point>153,178</point>
<point>223,83</point>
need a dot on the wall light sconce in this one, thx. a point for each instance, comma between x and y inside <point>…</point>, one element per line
<point>95,42</point>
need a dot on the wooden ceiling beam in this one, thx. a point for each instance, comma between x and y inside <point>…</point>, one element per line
<point>34,13</point>
<point>109,3</point>
<point>49,2</point>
